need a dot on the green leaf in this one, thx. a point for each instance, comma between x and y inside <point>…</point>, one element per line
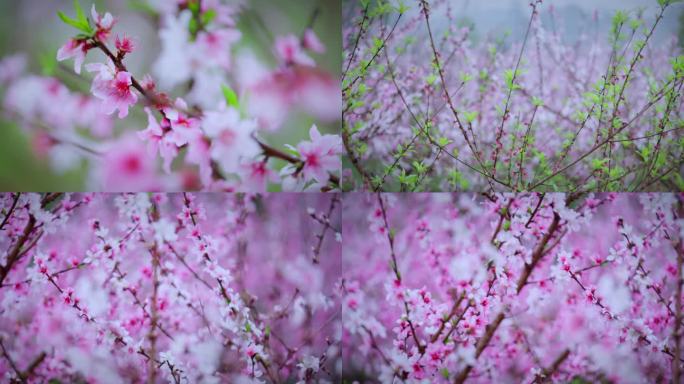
<point>208,16</point>
<point>509,78</point>
<point>443,141</point>
<point>194,6</point>
<point>537,102</point>
<point>445,373</point>
<point>402,8</point>
<point>230,96</point>
<point>193,28</point>
<point>598,163</point>
<point>431,79</point>
<point>470,116</point>
<point>81,24</point>
<point>80,15</point>
<point>69,21</point>
<point>419,166</point>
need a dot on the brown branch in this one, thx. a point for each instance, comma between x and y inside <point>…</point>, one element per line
<point>451,314</point>
<point>34,364</point>
<point>356,42</point>
<point>397,274</point>
<point>548,372</point>
<point>491,328</point>
<point>11,210</point>
<point>14,254</point>
<point>512,87</point>
<point>269,151</point>
<point>607,139</point>
<point>326,225</point>
<point>152,374</point>
<point>20,375</point>
<point>426,13</point>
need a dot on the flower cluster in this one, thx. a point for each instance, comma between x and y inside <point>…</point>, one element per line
<point>170,288</point>
<point>209,127</point>
<point>431,104</point>
<point>512,288</point>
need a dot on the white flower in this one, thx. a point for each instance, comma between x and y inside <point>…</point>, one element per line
<point>309,362</point>
<point>164,230</point>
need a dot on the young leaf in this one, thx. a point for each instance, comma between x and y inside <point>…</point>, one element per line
<point>230,96</point>
<point>80,15</point>
<point>470,116</point>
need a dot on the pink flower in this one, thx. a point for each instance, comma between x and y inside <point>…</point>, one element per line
<point>289,51</point>
<point>159,139</point>
<point>214,46</point>
<point>185,128</point>
<point>312,43</point>
<point>231,137</point>
<point>256,175</point>
<point>76,49</point>
<point>113,88</point>
<point>321,155</point>
<point>276,95</point>
<point>104,24</point>
<point>124,44</point>
<point>198,153</point>
<point>127,166</point>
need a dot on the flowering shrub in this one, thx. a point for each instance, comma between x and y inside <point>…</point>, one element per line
<point>434,108</point>
<point>211,106</point>
<point>178,288</point>
<point>449,288</point>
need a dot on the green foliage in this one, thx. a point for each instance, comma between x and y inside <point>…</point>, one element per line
<point>665,3</point>
<point>678,66</point>
<point>443,141</point>
<point>382,7</point>
<point>81,22</point>
<point>509,78</point>
<point>470,116</point>
<point>457,180</point>
<point>598,164</point>
<point>619,19</point>
<point>230,96</point>
<point>402,7</point>
<point>208,16</point>
<point>445,373</point>
<point>409,180</point>
<point>537,102</point>
<point>419,167</point>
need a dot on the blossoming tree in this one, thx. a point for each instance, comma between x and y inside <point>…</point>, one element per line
<point>178,288</point>
<point>211,106</point>
<point>428,106</point>
<point>525,288</point>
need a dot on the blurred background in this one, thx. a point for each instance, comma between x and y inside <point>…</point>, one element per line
<point>570,17</point>
<point>32,27</point>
